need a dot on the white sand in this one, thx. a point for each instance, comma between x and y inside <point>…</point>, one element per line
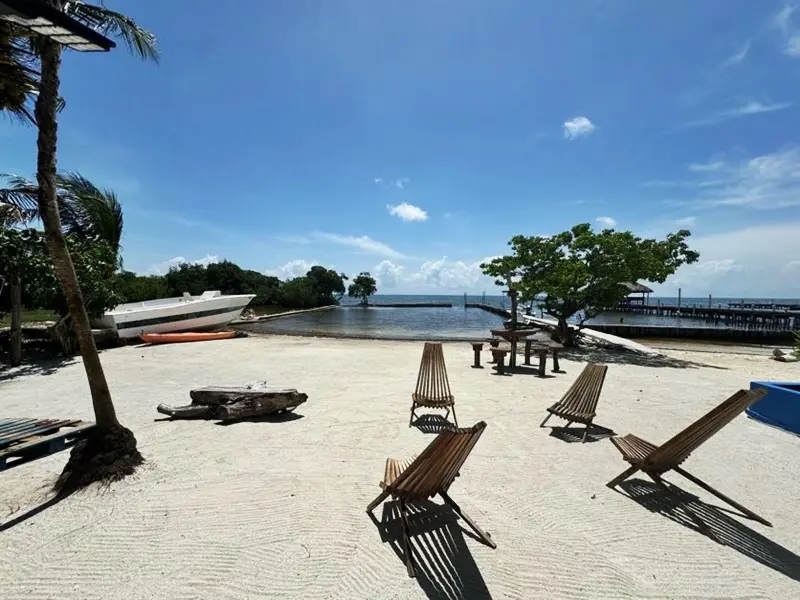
<point>276,510</point>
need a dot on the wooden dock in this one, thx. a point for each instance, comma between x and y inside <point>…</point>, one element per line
<point>754,317</point>
<point>407,305</point>
<point>739,330</point>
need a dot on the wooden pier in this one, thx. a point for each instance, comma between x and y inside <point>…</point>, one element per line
<point>753,317</point>
<point>738,330</point>
<point>407,305</point>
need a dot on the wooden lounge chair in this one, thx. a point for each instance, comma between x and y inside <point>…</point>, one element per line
<point>431,473</point>
<point>433,389</point>
<point>654,460</point>
<point>580,402</point>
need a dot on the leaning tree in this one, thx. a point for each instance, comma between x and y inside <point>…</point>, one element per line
<point>110,451</point>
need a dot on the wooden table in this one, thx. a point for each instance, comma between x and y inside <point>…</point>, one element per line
<point>513,336</point>
<point>542,348</point>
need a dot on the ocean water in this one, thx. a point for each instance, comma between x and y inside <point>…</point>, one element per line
<point>456,322</point>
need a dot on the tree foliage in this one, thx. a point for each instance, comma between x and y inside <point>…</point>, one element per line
<point>363,287</point>
<point>581,271</point>
<point>23,252</point>
<point>328,285</point>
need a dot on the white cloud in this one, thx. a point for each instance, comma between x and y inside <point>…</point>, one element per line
<point>738,57</point>
<point>793,46</point>
<point>607,222</point>
<point>767,182</point>
<point>578,127</point>
<point>782,20</point>
<point>740,263</point>
<point>750,107</point>
<point>364,243</point>
<point>162,267</point>
<point>399,183</point>
<point>292,269</point>
<point>715,165</point>
<point>388,274</point>
<point>451,275</point>
<point>687,222</point>
<point>407,212</point>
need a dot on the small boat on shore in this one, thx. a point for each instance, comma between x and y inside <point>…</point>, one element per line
<point>186,336</point>
<point>212,310</point>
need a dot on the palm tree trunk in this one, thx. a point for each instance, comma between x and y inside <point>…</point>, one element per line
<point>15,295</point>
<point>46,109</point>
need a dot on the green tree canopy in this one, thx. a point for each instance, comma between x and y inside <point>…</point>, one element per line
<point>328,285</point>
<point>582,271</point>
<point>363,287</point>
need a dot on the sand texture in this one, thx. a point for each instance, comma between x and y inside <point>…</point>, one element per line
<point>276,509</point>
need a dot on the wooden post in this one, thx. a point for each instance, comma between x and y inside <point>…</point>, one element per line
<point>15,339</point>
<point>556,367</point>
<point>528,352</point>
<point>542,361</point>
<point>477,347</point>
<point>679,298</point>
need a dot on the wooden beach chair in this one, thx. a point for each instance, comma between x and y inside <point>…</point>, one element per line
<point>579,404</point>
<point>431,473</point>
<point>654,460</point>
<point>433,388</point>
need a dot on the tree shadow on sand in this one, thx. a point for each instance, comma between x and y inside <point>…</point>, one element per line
<point>34,365</point>
<point>728,531</point>
<point>610,356</point>
<point>443,563</point>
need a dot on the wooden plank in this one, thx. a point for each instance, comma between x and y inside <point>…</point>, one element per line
<point>36,446</point>
<point>13,436</point>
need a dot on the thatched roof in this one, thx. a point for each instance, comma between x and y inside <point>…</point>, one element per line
<point>637,288</point>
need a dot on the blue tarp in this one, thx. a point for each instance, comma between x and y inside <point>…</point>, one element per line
<point>780,407</point>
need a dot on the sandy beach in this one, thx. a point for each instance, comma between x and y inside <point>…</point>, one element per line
<point>276,509</point>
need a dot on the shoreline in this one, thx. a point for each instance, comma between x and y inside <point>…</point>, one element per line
<point>686,345</point>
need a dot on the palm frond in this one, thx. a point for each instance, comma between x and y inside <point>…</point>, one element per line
<point>20,193</point>
<point>89,211</point>
<point>113,24</point>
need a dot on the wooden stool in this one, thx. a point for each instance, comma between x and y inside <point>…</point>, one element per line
<point>493,344</point>
<point>477,348</point>
<point>556,368</point>
<point>499,355</point>
<point>542,352</point>
<point>528,344</point>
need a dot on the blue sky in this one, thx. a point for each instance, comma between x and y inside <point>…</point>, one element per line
<point>413,139</point>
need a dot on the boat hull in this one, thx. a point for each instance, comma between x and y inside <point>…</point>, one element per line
<point>199,313</point>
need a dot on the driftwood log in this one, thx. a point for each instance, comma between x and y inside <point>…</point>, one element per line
<point>228,403</point>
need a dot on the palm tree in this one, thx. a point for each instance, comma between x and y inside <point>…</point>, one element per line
<point>86,210</point>
<point>110,451</point>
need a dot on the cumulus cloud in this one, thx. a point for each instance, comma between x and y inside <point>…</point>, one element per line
<point>578,127</point>
<point>607,222</point>
<point>388,274</point>
<point>742,262</point>
<point>407,212</point>
<point>292,269</point>
<point>162,267</point>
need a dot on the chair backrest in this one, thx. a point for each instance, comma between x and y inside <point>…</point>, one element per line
<point>583,394</point>
<point>678,448</point>
<point>435,469</point>
<point>432,379</point>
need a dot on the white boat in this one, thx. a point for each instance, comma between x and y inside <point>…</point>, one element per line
<point>212,310</point>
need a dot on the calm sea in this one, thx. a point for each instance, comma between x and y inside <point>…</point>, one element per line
<point>450,323</point>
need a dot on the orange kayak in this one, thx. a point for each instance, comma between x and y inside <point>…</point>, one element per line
<point>189,336</point>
